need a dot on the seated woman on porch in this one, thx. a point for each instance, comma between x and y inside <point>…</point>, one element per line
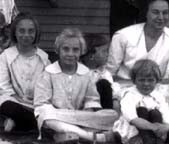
<point>147,40</point>
<point>66,100</point>
<point>20,66</point>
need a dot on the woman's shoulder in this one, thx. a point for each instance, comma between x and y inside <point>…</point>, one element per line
<point>166,31</point>
<point>130,34</point>
<point>131,29</point>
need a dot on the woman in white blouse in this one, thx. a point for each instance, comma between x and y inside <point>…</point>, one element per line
<point>149,40</point>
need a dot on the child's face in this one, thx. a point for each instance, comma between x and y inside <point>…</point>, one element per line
<point>70,51</point>
<point>145,84</point>
<point>101,54</point>
<point>25,32</point>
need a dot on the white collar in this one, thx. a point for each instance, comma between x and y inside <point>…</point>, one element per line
<point>55,68</point>
<point>12,53</point>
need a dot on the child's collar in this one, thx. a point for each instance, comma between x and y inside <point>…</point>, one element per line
<point>55,68</point>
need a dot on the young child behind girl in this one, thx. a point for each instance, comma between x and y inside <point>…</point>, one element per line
<point>144,106</point>
<point>95,59</point>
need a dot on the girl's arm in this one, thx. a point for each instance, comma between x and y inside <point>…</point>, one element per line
<point>43,90</point>
<point>144,124</point>
<point>6,88</point>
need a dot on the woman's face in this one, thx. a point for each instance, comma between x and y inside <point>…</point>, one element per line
<point>70,51</point>
<point>158,14</point>
<point>25,32</point>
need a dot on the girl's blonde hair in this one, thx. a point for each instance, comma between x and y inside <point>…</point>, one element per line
<point>70,33</point>
<point>145,67</point>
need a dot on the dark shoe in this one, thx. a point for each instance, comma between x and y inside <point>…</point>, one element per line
<point>117,138</point>
<point>113,137</point>
<point>68,137</point>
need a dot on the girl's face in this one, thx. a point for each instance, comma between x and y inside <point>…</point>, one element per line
<point>145,83</point>
<point>158,14</point>
<point>25,32</point>
<point>101,55</point>
<point>70,51</point>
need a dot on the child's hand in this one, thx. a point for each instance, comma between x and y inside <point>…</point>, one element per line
<point>161,130</point>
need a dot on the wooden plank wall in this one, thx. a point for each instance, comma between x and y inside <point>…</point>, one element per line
<point>91,16</point>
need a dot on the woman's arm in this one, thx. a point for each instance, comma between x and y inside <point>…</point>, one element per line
<point>116,53</point>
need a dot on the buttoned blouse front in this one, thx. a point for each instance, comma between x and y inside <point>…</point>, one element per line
<point>26,71</point>
<point>66,91</point>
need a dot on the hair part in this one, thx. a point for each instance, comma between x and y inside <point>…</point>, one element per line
<point>24,16</point>
<point>145,67</point>
<point>68,33</point>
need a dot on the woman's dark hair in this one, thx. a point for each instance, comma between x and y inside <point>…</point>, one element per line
<point>145,67</point>
<point>20,17</point>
